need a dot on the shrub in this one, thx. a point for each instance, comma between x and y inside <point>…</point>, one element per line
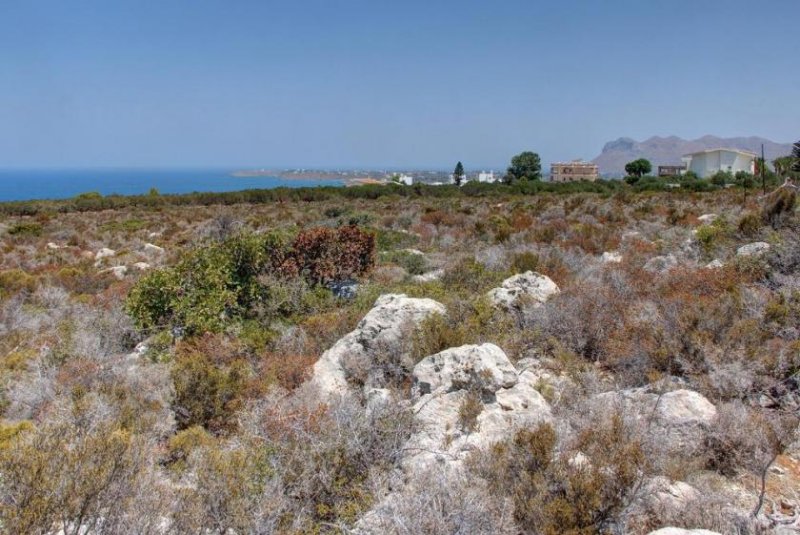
<point>248,274</point>
<point>523,262</point>
<point>210,382</point>
<point>414,264</point>
<point>469,410</point>
<point>64,476</point>
<point>14,280</point>
<point>26,229</point>
<point>779,205</point>
<point>720,178</point>
<point>324,255</point>
<point>749,224</point>
<point>556,494</point>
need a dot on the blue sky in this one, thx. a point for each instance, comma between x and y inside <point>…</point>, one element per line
<point>377,83</point>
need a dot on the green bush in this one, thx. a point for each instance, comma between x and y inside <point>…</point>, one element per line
<point>26,229</point>
<point>749,224</point>
<point>414,264</point>
<point>523,262</point>
<point>248,275</point>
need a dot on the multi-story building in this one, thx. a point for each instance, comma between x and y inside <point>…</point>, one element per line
<point>573,171</point>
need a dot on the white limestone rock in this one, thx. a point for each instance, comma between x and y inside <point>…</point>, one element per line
<point>459,367</point>
<point>118,271</point>
<point>715,264</point>
<point>753,249</point>
<point>152,249</point>
<point>105,252</point>
<point>611,257</point>
<point>676,422</point>
<point>707,218</point>
<point>380,330</point>
<point>142,266</point>
<point>430,276</point>
<point>508,402</point>
<point>529,288</point>
<point>660,496</point>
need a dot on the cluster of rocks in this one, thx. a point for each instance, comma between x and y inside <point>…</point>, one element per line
<point>465,399</point>
<point>150,250</point>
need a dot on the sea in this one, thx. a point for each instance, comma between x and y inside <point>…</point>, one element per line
<point>29,184</point>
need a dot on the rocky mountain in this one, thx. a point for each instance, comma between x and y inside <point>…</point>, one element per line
<point>668,150</point>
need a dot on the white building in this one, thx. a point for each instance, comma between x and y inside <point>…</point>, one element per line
<point>405,179</point>
<point>483,176</point>
<point>708,162</point>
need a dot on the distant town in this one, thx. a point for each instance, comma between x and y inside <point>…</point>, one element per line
<point>703,164</point>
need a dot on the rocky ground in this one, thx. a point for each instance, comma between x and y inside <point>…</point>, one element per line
<point>551,364</point>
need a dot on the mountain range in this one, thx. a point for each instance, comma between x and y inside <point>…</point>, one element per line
<point>668,150</point>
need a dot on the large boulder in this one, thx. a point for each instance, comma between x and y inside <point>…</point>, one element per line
<point>381,330</point>
<point>468,398</point>
<point>461,367</point>
<point>676,422</point>
<point>753,249</point>
<point>529,288</point>
<point>660,498</point>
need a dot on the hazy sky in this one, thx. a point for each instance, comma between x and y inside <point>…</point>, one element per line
<point>378,83</point>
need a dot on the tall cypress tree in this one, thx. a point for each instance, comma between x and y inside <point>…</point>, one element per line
<point>796,156</point>
<point>458,174</point>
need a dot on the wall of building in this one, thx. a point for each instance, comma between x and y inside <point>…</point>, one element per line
<point>573,172</point>
<point>708,163</point>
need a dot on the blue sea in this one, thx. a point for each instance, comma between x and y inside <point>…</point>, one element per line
<point>18,185</point>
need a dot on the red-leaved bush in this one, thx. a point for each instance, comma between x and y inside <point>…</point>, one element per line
<point>326,254</point>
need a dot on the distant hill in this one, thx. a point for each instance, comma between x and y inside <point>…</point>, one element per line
<point>668,150</point>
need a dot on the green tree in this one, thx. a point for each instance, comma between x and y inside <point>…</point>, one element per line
<point>720,178</point>
<point>638,168</point>
<point>524,166</point>
<point>746,181</point>
<point>458,173</point>
<point>784,165</point>
<point>796,156</point>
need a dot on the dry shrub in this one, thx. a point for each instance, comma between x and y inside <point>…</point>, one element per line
<point>210,378</point>
<point>99,483</point>
<point>525,261</point>
<point>746,438</point>
<point>779,206</point>
<point>324,458</point>
<point>325,254</point>
<point>441,218</point>
<point>580,490</point>
<point>441,502</point>
<point>749,224</point>
<point>288,371</point>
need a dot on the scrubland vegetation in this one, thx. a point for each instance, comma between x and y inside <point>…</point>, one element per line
<point>169,397</point>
